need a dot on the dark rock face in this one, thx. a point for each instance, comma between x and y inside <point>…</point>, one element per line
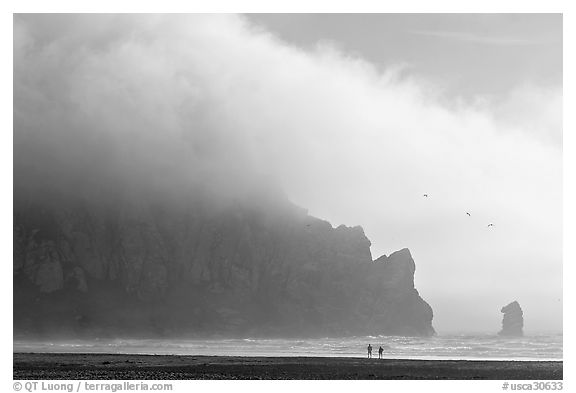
<point>86,269</point>
<point>513,320</point>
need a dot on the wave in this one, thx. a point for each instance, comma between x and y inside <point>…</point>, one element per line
<point>471,347</point>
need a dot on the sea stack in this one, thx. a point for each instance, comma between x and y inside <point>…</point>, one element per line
<point>513,320</point>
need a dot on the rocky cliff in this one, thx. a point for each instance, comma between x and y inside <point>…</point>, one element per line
<point>197,269</point>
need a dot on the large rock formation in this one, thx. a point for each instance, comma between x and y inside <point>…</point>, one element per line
<point>197,269</point>
<point>513,320</point>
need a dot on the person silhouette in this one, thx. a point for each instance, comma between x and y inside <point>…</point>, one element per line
<point>380,350</point>
<point>369,350</point>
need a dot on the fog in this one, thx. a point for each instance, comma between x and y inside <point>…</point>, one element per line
<point>171,104</point>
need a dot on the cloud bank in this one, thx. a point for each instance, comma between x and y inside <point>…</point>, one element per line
<point>177,102</point>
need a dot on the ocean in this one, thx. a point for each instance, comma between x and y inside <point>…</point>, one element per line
<point>439,347</point>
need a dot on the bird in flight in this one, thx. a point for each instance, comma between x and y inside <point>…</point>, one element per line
<point>425,195</point>
<point>490,225</point>
<point>469,215</point>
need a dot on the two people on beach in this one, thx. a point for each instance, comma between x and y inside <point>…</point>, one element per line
<point>380,351</point>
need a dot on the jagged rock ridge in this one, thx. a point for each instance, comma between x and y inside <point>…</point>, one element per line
<point>85,269</point>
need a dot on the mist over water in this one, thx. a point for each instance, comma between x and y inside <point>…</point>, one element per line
<point>474,347</point>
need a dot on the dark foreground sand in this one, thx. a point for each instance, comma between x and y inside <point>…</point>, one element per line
<point>104,366</point>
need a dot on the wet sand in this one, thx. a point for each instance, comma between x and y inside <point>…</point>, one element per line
<point>141,367</point>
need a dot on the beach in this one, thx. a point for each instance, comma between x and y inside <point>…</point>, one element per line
<point>159,367</point>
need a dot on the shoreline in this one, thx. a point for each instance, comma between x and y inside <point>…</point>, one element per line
<point>189,367</point>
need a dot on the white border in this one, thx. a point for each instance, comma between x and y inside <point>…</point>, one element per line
<point>437,6</point>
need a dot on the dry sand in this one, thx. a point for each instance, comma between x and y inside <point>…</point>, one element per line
<point>140,367</point>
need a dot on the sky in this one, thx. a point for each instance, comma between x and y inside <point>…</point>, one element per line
<point>466,55</point>
<point>356,117</point>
